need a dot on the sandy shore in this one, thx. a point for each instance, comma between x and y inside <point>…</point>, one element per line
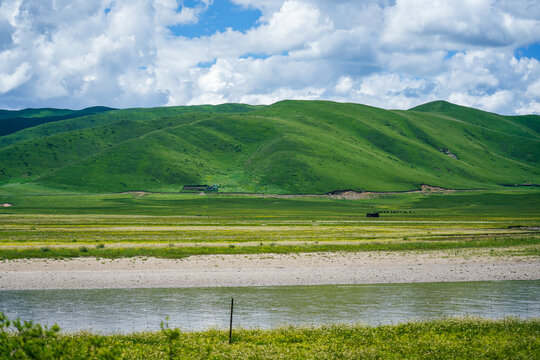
<point>267,270</point>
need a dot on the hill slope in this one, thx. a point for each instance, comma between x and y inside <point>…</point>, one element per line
<point>287,147</point>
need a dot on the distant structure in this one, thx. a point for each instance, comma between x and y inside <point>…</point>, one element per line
<point>375,214</point>
<point>213,187</point>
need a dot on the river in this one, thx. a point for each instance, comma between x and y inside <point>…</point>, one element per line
<point>129,310</point>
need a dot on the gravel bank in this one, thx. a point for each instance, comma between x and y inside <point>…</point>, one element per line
<point>267,270</point>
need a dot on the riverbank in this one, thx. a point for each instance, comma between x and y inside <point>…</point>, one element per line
<point>442,339</point>
<point>270,269</point>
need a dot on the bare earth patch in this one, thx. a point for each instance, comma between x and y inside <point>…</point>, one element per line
<point>268,270</point>
<point>137,194</point>
<point>356,195</point>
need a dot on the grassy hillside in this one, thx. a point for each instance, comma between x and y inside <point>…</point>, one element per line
<point>287,147</point>
<point>47,128</point>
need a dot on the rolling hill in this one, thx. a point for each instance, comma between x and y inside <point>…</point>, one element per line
<point>286,147</point>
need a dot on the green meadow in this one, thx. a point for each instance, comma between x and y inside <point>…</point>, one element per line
<point>173,225</point>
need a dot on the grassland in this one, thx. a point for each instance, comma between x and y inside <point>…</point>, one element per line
<point>179,225</point>
<point>439,339</point>
<point>291,147</point>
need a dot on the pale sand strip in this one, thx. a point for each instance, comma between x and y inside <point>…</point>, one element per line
<point>267,270</point>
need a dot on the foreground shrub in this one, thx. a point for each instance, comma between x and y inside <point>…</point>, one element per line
<point>22,340</point>
<point>26,340</point>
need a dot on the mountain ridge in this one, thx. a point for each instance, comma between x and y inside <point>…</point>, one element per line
<point>12,121</point>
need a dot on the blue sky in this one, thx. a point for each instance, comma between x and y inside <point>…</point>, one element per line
<point>218,17</point>
<point>531,50</point>
<point>133,53</point>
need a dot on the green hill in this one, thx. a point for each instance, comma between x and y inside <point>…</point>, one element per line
<point>287,147</point>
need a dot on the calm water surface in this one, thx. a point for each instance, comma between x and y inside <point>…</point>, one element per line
<point>128,310</point>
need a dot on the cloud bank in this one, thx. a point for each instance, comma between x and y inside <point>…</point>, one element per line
<point>391,54</point>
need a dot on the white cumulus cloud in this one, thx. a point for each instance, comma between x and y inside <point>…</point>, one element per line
<point>388,53</point>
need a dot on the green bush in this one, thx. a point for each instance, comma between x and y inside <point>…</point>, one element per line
<point>26,340</point>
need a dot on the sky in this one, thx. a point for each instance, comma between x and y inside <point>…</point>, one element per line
<point>393,54</point>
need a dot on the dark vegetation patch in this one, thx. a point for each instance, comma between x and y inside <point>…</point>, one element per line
<point>266,248</point>
<point>13,121</point>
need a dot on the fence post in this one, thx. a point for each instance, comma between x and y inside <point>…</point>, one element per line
<point>230,323</point>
